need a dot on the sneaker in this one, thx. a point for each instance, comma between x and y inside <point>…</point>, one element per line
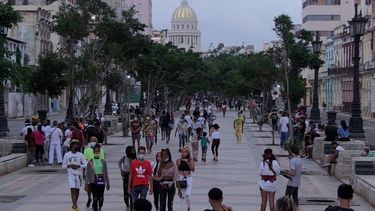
<point>30,165</point>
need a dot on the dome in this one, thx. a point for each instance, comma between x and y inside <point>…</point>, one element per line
<point>184,13</point>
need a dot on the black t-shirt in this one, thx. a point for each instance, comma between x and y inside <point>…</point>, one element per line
<point>337,208</point>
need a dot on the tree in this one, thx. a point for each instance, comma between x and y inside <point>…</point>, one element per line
<point>291,55</point>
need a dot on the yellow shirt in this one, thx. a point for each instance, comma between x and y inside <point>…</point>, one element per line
<point>239,121</point>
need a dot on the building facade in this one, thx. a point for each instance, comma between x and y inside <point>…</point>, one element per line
<point>144,12</point>
<point>184,31</point>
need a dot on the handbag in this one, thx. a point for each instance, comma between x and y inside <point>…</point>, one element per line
<point>182,184</point>
<point>67,142</point>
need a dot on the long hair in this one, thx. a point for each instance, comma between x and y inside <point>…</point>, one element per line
<point>166,150</point>
<point>286,203</point>
<point>344,125</point>
<point>268,155</point>
<point>188,152</point>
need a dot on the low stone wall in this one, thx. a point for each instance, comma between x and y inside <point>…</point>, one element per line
<point>320,145</point>
<point>344,166</point>
<point>364,185</point>
<point>12,163</point>
<point>6,146</point>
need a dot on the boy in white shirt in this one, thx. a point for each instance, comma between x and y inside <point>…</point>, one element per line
<point>74,161</point>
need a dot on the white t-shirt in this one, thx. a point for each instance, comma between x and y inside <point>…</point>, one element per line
<point>215,135</point>
<point>74,158</point>
<point>284,121</point>
<point>340,148</point>
<point>188,120</point>
<point>46,130</point>
<point>24,130</point>
<point>265,170</point>
<point>56,135</point>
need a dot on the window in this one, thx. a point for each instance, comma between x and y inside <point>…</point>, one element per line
<point>182,26</point>
<point>187,26</point>
<point>178,26</point>
<point>321,18</point>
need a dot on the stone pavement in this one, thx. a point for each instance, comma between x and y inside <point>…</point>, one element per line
<point>45,188</point>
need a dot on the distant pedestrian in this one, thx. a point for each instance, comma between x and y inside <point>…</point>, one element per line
<point>204,146</point>
<point>224,108</point>
<point>215,198</point>
<point>345,195</point>
<point>31,147</point>
<point>238,124</point>
<point>140,177</point>
<point>135,128</point>
<point>332,158</point>
<point>27,126</point>
<point>215,142</point>
<point>97,178</point>
<point>39,140</point>
<point>55,137</point>
<point>149,127</point>
<point>46,128</point>
<point>343,131</point>
<point>124,166</point>
<point>294,173</point>
<point>274,120</point>
<point>284,129</point>
<point>74,161</point>
<point>269,169</point>
<point>195,143</point>
<point>182,130</point>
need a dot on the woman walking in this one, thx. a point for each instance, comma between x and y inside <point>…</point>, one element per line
<point>156,180</point>
<point>168,174</point>
<point>195,143</point>
<point>269,168</point>
<point>124,166</point>
<point>39,141</point>
<point>186,167</point>
<point>97,178</point>
<point>215,142</point>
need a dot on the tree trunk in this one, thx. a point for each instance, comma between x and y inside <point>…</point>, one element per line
<point>70,111</point>
<point>291,134</point>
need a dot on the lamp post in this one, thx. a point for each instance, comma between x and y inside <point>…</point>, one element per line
<point>108,104</point>
<point>3,118</point>
<point>315,112</point>
<point>357,29</point>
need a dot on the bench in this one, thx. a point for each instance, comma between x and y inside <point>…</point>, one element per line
<point>363,178</point>
<point>12,163</point>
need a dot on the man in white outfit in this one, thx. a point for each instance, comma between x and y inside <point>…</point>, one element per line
<point>46,128</point>
<point>56,135</point>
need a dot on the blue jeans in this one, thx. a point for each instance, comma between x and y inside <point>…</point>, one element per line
<point>283,138</point>
<point>139,191</point>
<point>181,138</point>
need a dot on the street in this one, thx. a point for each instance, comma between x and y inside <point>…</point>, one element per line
<point>45,187</point>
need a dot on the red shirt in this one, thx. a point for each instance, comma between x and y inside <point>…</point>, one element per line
<point>39,137</point>
<point>140,172</point>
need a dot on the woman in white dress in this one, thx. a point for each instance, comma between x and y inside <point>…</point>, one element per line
<point>269,169</point>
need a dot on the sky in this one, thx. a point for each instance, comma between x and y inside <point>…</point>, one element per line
<point>232,22</point>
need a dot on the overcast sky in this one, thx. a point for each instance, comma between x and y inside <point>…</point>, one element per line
<point>231,21</point>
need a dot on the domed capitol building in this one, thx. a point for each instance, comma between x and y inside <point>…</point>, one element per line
<point>184,31</point>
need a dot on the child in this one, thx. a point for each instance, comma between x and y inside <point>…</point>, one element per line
<point>204,143</point>
<point>195,143</point>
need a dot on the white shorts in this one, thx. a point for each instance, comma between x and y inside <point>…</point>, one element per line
<point>75,181</point>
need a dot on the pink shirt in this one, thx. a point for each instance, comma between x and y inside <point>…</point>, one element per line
<point>39,137</point>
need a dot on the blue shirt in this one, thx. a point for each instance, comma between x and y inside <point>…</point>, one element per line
<point>343,133</point>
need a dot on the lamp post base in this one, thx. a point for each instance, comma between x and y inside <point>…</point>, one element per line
<point>3,126</point>
<point>356,127</point>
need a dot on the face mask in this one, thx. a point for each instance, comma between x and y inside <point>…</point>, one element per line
<point>166,159</point>
<point>91,144</point>
<point>141,157</point>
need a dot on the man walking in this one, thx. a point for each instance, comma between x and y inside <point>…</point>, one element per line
<point>238,127</point>
<point>283,128</point>
<point>55,136</point>
<point>135,128</point>
<point>140,176</point>
<point>295,173</point>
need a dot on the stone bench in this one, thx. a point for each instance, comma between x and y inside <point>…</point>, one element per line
<point>363,179</point>
<point>322,148</point>
<point>344,166</point>
<point>6,146</point>
<point>12,162</point>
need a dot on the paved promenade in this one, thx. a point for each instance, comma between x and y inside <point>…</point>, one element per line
<point>45,188</point>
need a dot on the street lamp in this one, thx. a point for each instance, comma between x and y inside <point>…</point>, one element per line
<point>357,29</point>
<point>3,118</point>
<point>315,112</point>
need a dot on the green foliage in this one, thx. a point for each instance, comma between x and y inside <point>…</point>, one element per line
<point>49,76</point>
<point>8,16</point>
